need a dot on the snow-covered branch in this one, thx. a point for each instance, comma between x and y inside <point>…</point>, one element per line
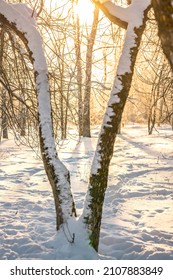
<point>122,16</point>
<point>115,17</point>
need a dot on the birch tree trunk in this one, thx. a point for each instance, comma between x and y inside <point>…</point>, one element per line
<point>89,61</point>
<point>77,44</point>
<point>92,213</point>
<point>20,21</point>
<point>164,16</point>
<point>79,77</point>
<point>4,116</point>
<point>3,91</point>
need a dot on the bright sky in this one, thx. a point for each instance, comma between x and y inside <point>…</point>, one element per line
<point>84,9</point>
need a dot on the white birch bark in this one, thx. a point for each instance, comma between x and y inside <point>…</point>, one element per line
<point>18,17</point>
<point>135,17</point>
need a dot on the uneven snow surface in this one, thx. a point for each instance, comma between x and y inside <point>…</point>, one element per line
<point>137,220</point>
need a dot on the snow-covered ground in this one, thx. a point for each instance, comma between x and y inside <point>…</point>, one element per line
<point>137,220</point>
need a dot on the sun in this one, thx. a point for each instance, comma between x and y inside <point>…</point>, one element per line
<point>84,9</point>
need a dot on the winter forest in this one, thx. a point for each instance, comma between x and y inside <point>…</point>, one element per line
<point>86,129</point>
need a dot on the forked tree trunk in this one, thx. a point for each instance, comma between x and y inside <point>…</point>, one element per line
<point>100,168</point>
<point>58,175</point>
